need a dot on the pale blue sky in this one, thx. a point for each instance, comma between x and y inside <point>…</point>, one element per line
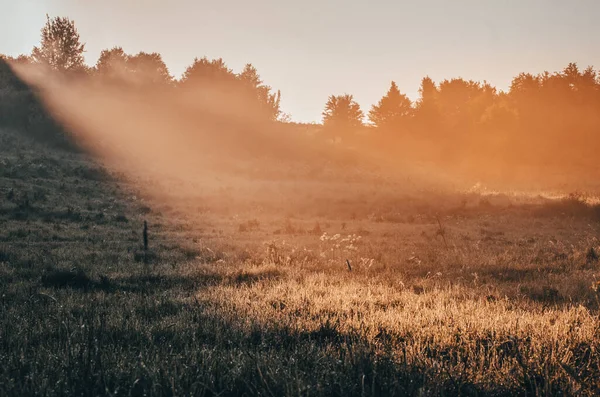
<point>313,48</point>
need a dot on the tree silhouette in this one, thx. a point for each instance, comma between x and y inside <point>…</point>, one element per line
<point>60,46</point>
<point>266,102</point>
<point>342,115</point>
<point>250,76</point>
<point>244,92</point>
<point>393,110</point>
<point>462,103</point>
<point>112,63</point>
<point>427,113</point>
<point>207,72</point>
<point>545,117</point>
<point>148,69</point>
<point>428,92</point>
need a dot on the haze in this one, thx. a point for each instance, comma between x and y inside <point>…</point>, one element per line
<point>169,233</point>
<point>310,49</point>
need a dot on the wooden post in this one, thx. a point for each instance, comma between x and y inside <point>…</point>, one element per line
<point>145,236</point>
<point>145,242</point>
<point>145,239</point>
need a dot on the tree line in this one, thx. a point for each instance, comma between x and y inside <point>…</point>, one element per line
<point>545,117</point>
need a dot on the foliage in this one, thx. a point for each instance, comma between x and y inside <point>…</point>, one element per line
<point>207,72</point>
<point>142,70</point>
<point>148,69</point>
<point>544,118</point>
<point>393,110</point>
<point>342,115</point>
<point>214,77</point>
<point>60,46</point>
<point>112,61</point>
<point>259,93</point>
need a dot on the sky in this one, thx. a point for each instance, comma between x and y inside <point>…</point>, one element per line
<point>311,49</point>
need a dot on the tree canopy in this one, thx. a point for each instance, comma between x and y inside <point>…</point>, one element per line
<point>539,115</point>
<point>393,110</point>
<point>342,115</point>
<point>60,46</point>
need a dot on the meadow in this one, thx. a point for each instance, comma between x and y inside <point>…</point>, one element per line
<point>287,279</point>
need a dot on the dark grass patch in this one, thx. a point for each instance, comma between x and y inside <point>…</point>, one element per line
<point>591,256</point>
<point>544,294</point>
<point>148,257</point>
<point>121,218</point>
<point>153,283</point>
<point>248,278</point>
<point>5,256</point>
<point>158,310</point>
<point>62,278</point>
<point>90,173</point>
<point>511,274</point>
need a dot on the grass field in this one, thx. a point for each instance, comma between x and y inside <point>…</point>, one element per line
<point>308,282</point>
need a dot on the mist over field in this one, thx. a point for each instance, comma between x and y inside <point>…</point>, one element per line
<point>184,236</point>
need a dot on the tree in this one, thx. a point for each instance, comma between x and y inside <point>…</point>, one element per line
<point>112,62</point>
<point>19,60</point>
<point>499,119</point>
<point>241,93</point>
<point>428,92</point>
<point>60,46</point>
<point>207,72</point>
<point>259,93</point>
<point>250,76</point>
<point>148,69</point>
<point>342,115</point>
<point>427,113</point>
<point>455,100</point>
<point>143,69</point>
<point>484,97</point>
<point>393,110</point>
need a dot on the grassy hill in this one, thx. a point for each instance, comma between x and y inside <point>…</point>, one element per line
<point>319,283</point>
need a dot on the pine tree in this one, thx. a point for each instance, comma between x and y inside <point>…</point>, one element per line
<point>393,110</point>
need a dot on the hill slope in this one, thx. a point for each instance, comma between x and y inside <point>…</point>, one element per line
<point>246,289</point>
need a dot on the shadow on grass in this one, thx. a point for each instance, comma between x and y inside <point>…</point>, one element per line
<point>62,278</point>
<point>150,283</point>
